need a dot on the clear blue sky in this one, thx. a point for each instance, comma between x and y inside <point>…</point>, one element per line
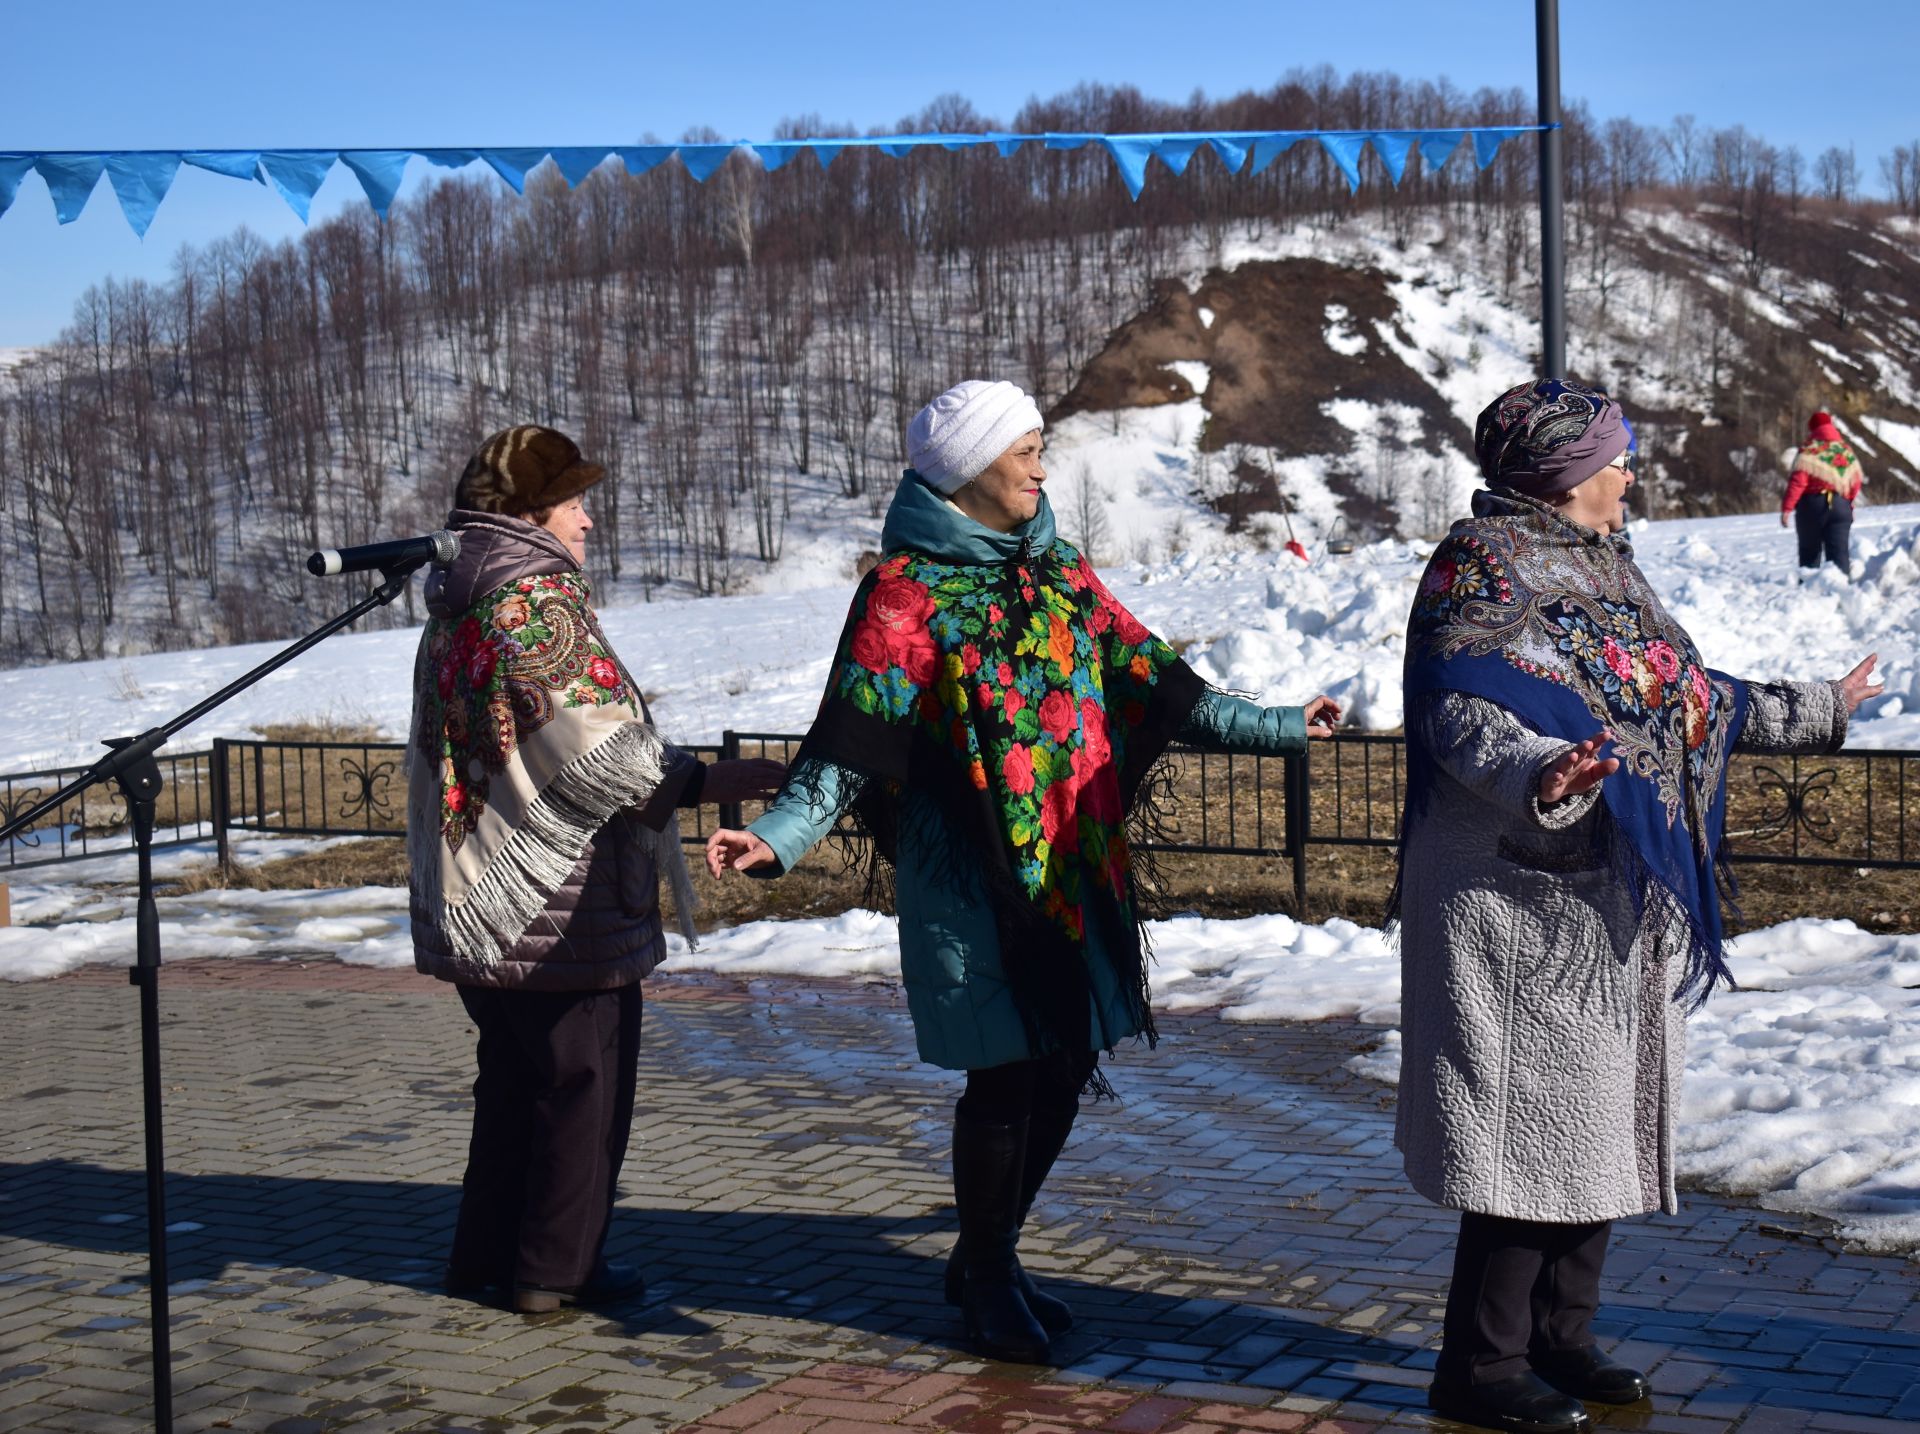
<point>117,74</point>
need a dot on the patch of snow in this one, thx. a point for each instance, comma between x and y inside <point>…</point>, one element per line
<point>1340,335</point>
<point>1903,438</point>
<point>1197,374</point>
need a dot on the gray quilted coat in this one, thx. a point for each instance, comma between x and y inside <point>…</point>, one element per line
<point>1540,1071</point>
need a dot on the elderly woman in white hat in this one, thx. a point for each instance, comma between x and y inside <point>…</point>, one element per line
<point>990,713</point>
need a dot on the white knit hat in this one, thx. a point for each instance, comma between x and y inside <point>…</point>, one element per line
<point>956,438</point>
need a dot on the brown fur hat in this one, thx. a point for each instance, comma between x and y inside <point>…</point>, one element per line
<point>524,470</point>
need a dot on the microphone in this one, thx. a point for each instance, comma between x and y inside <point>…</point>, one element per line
<point>439,548</point>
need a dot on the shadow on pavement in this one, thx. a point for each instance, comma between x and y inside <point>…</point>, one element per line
<point>849,1272</point>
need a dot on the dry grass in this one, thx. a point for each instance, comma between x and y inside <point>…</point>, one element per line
<point>377,861</point>
<point>310,730</point>
<point>1341,881</point>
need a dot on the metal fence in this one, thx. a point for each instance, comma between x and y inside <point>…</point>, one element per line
<point>1853,809</point>
<point>94,822</point>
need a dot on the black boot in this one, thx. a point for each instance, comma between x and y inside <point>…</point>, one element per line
<point>1586,1373</point>
<point>1054,1111</point>
<point>1523,1402</point>
<point>988,1162</point>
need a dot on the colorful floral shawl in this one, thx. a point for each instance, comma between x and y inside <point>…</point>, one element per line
<point>1558,625</point>
<point>1029,704</point>
<point>1829,464</point>
<point>528,736</point>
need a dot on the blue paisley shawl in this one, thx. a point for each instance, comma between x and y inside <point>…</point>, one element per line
<point>1557,624</point>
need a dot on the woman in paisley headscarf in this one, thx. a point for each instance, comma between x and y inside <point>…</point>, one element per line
<point>1558,902</point>
<point>992,709</point>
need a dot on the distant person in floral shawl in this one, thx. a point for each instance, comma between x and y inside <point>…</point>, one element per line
<point>1822,488</point>
<point>541,811</point>
<point>992,709</point>
<point>1557,900</point>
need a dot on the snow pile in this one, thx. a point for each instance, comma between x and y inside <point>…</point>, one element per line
<point>363,926</point>
<point>1803,1087</point>
<point>1273,968</point>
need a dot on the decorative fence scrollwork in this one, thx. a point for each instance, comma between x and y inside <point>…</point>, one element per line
<point>367,784</point>
<point>1802,804</point>
<point>94,822</point>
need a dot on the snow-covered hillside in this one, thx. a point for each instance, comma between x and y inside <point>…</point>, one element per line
<point>1258,622</point>
<point>1330,372</point>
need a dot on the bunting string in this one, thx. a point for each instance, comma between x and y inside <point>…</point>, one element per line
<point>142,177</point>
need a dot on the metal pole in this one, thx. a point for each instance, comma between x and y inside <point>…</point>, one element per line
<point>1553,232</point>
<point>732,814</point>
<point>222,803</point>
<point>141,785</point>
<point>1298,822</point>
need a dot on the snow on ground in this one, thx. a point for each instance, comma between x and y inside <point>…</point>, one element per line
<point>1803,1088</point>
<point>1259,622</point>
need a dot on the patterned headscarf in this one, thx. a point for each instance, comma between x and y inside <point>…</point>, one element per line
<point>1548,437</point>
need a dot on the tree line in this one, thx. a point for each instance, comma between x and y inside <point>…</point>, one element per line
<point>723,348</point>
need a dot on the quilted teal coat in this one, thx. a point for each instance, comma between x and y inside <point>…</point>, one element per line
<point>964,1017</point>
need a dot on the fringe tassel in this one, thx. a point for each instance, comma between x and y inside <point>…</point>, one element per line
<point>622,771</point>
<point>669,855</point>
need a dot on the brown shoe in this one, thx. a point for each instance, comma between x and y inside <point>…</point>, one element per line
<point>610,1284</point>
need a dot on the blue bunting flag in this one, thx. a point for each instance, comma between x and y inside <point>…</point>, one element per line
<point>379,172</point>
<point>298,174</point>
<point>141,178</point>
<point>141,181</point>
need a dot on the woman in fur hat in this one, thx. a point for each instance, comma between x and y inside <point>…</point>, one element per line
<point>540,816</point>
<point>991,711</point>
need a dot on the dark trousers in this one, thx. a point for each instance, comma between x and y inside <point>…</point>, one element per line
<point>552,1105</point>
<point>1824,524</point>
<point>1008,1094</point>
<point>1520,1288</point>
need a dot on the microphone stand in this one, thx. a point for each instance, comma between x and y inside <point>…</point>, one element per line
<point>130,763</point>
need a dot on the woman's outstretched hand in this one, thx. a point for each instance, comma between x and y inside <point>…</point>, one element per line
<point>1323,715</point>
<point>1858,685</point>
<point>729,850</point>
<point>1578,769</point>
<point>743,780</point>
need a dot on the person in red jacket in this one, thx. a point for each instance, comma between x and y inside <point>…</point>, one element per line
<point>1821,492</point>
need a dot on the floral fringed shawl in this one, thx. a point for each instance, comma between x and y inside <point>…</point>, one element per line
<point>1558,625</point>
<point>1829,464</point>
<point>528,736</point>
<point>1029,704</point>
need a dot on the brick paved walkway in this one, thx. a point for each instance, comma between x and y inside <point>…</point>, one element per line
<point>1235,1236</point>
